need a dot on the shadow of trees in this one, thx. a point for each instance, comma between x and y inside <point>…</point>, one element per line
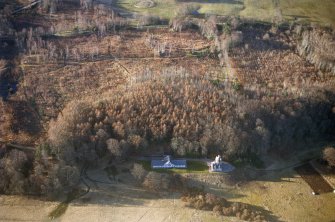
<point>254,36</point>
<point>8,50</point>
<point>25,119</point>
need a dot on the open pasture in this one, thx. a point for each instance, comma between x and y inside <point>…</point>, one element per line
<point>264,10</point>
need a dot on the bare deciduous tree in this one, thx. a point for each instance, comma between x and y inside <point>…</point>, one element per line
<point>329,155</point>
<point>114,147</point>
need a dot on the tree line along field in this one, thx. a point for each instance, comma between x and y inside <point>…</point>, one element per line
<point>91,85</point>
<point>265,10</point>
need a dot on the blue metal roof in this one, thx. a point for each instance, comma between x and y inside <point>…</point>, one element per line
<point>221,167</point>
<point>167,163</point>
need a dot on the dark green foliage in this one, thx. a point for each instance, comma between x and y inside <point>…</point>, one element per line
<point>249,158</point>
<point>226,28</point>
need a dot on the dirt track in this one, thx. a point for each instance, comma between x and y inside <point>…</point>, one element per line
<point>318,184</point>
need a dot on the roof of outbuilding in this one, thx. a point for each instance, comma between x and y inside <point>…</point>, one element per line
<point>168,163</point>
<point>222,167</point>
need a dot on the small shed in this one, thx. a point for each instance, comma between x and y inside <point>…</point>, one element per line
<point>220,166</point>
<point>167,163</point>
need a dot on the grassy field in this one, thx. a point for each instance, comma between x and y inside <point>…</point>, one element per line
<point>192,167</point>
<point>264,10</point>
<point>315,11</point>
<point>258,9</point>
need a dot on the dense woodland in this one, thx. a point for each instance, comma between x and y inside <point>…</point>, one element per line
<point>197,115</point>
<point>275,102</point>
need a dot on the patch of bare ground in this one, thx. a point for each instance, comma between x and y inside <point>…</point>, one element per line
<point>18,208</point>
<point>109,205</point>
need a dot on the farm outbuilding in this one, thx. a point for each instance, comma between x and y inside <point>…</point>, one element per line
<point>220,166</point>
<point>167,163</point>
